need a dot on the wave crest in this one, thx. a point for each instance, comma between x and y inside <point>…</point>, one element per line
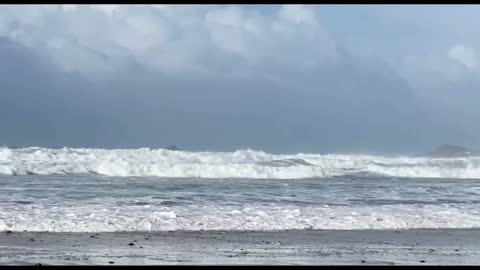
<point>239,164</point>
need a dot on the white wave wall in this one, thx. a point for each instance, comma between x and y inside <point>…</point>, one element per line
<point>238,164</point>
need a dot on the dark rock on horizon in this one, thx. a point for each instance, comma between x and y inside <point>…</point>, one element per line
<point>172,148</point>
<point>447,150</point>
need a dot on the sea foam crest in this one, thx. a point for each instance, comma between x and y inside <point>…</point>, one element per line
<point>101,218</point>
<point>239,164</point>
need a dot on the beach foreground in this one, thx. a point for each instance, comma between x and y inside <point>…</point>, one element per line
<point>433,246</point>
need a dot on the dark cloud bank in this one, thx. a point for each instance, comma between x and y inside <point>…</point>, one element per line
<point>349,106</point>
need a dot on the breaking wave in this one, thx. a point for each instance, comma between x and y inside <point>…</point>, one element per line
<point>238,164</point>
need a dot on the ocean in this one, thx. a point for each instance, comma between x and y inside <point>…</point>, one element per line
<point>149,190</point>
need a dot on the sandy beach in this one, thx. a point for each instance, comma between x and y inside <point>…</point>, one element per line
<point>435,246</point>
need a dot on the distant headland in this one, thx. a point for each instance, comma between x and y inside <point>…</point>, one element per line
<point>448,150</point>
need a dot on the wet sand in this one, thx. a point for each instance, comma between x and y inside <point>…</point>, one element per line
<point>436,246</point>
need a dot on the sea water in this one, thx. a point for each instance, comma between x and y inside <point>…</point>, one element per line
<point>97,190</point>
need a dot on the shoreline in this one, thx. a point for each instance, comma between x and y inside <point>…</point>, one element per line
<point>369,247</point>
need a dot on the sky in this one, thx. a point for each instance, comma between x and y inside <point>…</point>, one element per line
<point>281,78</point>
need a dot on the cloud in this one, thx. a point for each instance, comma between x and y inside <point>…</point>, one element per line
<point>169,39</point>
<point>463,55</point>
<point>287,78</point>
<point>298,14</point>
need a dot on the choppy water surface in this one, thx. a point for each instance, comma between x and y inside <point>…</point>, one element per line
<point>100,203</point>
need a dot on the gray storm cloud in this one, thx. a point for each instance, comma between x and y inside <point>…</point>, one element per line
<point>293,78</point>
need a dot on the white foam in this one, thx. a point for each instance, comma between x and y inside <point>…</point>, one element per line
<point>249,217</point>
<point>238,164</point>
